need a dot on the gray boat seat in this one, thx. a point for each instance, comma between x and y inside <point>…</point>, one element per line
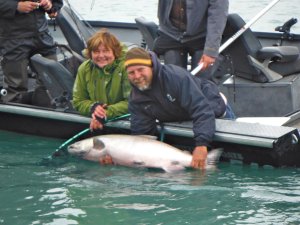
<point>253,61</point>
<point>56,78</point>
<point>148,30</point>
<point>75,30</point>
<point>279,53</point>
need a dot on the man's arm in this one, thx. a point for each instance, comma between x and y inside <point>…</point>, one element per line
<point>216,21</point>
<point>192,99</point>
<point>140,123</point>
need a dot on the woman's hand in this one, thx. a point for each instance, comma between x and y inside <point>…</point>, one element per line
<point>98,117</point>
<point>100,112</point>
<point>95,124</point>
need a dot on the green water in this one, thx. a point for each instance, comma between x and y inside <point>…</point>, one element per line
<point>78,192</point>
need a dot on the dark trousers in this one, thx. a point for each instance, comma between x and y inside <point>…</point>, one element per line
<point>16,56</point>
<point>175,52</point>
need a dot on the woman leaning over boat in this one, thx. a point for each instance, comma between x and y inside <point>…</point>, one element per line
<point>101,88</point>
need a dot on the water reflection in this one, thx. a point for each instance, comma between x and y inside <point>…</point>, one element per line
<point>80,192</point>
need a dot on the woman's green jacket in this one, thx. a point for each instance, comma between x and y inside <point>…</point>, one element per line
<point>108,85</point>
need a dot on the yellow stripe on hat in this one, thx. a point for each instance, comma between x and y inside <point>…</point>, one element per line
<point>146,62</point>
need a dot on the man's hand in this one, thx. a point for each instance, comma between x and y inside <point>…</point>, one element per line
<point>53,15</point>
<point>46,4</point>
<point>199,157</point>
<point>106,160</point>
<point>207,61</point>
<point>27,6</point>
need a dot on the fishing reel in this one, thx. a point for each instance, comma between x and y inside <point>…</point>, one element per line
<point>286,29</point>
<point>3,92</point>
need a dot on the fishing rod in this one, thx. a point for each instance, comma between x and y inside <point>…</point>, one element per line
<point>92,4</point>
<point>239,32</point>
<point>73,16</point>
<point>61,150</point>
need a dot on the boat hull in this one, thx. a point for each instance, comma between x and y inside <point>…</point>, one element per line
<point>244,143</point>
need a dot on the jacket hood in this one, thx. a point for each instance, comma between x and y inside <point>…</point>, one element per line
<point>156,65</point>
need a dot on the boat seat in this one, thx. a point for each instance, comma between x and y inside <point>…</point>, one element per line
<point>56,78</point>
<point>70,59</point>
<point>253,61</point>
<point>75,31</point>
<point>148,30</point>
<point>278,53</point>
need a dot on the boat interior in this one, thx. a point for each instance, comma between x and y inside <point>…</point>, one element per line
<point>259,76</point>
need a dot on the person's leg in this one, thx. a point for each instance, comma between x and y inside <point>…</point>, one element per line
<point>229,114</point>
<point>196,56</point>
<point>15,79</point>
<point>45,45</point>
<point>176,57</point>
<point>195,50</point>
<point>171,50</point>
<point>15,68</point>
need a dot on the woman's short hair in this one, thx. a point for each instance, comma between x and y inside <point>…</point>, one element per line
<point>105,38</point>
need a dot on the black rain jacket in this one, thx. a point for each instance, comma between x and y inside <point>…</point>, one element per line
<point>14,24</point>
<point>176,95</point>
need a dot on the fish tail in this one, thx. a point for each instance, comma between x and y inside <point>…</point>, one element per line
<point>213,156</point>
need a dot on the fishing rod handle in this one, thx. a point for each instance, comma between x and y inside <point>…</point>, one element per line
<point>197,69</point>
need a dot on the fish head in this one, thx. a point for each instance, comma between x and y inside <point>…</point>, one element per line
<point>92,149</point>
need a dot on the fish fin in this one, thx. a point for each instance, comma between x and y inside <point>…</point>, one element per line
<point>138,163</point>
<point>98,144</point>
<point>213,156</point>
<point>173,168</point>
<point>149,136</point>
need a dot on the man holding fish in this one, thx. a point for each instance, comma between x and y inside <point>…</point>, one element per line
<point>170,93</point>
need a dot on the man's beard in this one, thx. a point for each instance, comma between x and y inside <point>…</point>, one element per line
<point>144,87</point>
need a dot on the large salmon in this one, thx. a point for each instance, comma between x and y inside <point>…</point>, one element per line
<point>137,151</point>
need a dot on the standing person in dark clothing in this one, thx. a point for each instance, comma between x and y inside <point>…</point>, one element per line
<point>192,28</point>
<point>23,33</point>
<point>170,93</point>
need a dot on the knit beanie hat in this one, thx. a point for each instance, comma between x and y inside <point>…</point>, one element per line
<point>137,56</point>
